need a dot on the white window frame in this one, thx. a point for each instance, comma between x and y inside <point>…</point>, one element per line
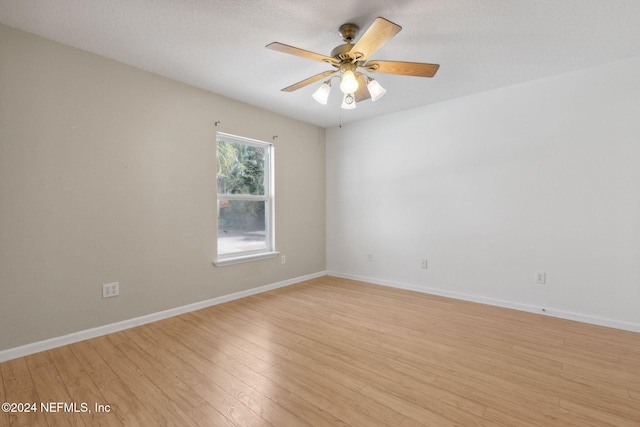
<point>268,198</point>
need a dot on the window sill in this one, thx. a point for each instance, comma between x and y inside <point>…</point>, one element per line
<point>244,258</point>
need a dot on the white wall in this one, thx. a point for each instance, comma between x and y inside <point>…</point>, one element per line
<point>107,173</point>
<point>493,187</point>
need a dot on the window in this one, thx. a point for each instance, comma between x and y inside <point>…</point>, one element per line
<point>245,199</point>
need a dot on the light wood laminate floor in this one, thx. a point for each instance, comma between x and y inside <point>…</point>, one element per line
<point>335,352</point>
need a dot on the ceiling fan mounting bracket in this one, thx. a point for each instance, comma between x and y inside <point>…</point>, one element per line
<point>348,32</point>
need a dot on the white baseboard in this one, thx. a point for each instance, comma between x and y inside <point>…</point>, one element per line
<point>36,347</point>
<point>546,311</point>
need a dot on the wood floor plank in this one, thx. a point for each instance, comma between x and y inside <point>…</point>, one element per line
<point>316,394</point>
<point>122,400</point>
<point>307,411</point>
<point>508,418</point>
<point>51,389</point>
<point>192,386</point>
<point>245,394</point>
<point>310,359</point>
<point>591,395</point>
<point>435,415</point>
<point>161,407</point>
<point>438,398</point>
<point>338,352</point>
<point>505,397</point>
<point>19,388</point>
<point>340,348</point>
<point>257,408</point>
<point>399,384</point>
<point>4,415</point>
<point>81,388</point>
<point>182,395</point>
<point>599,415</point>
<point>410,422</point>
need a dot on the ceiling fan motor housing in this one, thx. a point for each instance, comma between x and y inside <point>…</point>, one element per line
<point>342,52</point>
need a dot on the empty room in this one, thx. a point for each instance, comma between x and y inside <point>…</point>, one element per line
<point>293,213</point>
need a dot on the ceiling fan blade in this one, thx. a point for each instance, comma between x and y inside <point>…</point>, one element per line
<point>362,94</point>
<point>417,69</point>
<point>308,81</point>
<point>380,32</point>
<point>284,48</point>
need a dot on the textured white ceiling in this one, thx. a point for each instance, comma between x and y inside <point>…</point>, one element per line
<point>218,45</point>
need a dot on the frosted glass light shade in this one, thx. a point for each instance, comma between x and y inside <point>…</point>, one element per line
<point>348,84</point>
<point>322,94</point>
<point>348,101</point>
<point>376,90</point>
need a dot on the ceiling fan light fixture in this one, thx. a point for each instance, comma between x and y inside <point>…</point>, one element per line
<point>348,101</point>
<point>348,83</point>
<point>375,89</point>
<point>322,94</point>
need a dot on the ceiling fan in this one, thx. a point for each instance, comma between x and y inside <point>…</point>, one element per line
<point>350,59</point>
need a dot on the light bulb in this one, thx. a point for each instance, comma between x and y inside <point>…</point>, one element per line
<point>322,94</point>
<point>348,84</point>
<point>376,90</point>
<point>348,101</point>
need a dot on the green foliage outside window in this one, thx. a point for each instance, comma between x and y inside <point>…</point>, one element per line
<point>240,171</point>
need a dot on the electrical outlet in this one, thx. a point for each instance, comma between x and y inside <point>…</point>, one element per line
<point>370,257</point>
<point>423,263</point>
<point>110,290</point>
<point>541,277</point>
<point>283,259</point>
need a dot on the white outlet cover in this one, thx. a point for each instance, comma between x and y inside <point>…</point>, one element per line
<point>110,290</point>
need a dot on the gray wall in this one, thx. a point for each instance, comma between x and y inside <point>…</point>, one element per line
<point>107,173</point>
<point>490,188</point>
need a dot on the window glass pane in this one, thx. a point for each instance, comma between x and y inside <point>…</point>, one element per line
<point>241,226</point>
<point>240,168</point>
<point>245,204</point>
